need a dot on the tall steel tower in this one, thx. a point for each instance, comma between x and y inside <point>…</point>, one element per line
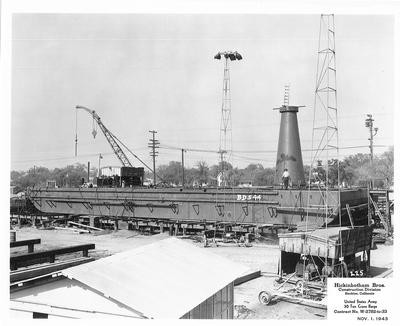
<point>225,137</point>
<point>324,166</point>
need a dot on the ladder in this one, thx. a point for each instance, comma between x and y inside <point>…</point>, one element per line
<point>382,218</point>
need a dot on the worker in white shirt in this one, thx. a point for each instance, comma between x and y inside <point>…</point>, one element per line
<point>285,178</point>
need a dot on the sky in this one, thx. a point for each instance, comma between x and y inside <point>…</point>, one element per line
<point>144,72</point>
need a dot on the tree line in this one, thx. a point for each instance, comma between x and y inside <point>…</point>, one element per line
<point>69,176</point>
<point>354,170</point>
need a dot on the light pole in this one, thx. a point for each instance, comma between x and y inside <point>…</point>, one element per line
<point>226,122</point>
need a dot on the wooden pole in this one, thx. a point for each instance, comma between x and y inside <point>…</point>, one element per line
<point>88,172</point>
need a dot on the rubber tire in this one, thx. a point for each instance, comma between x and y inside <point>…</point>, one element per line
<point>265,297</point>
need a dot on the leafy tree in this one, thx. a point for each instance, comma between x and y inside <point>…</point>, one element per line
<point>265,177</point>
<point>353,170</point>
<point>203,172</point>
<point>171,173</point>
<point>216,169</point>
<point>384,166</point>
<point>38,176</point>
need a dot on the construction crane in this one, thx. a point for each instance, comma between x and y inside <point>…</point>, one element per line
<point>109,136</point>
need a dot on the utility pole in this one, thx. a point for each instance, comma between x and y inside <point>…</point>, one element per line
<point>183,168</point>
<point>100,157</point>
<point>76,133</point>
<point>369,123</point>
<point>88,171</point>
<point>154,145</point>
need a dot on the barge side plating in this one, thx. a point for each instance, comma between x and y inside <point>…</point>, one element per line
<point>275,207</point>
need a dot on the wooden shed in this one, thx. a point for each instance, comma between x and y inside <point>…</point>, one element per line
<point>170,279</point>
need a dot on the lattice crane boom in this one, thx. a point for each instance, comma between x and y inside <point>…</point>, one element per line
<point>109,136</point>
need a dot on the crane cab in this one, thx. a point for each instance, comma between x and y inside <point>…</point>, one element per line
<point>120,177</point>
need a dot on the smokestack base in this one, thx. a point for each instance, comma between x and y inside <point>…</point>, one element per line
<point>289,154</point>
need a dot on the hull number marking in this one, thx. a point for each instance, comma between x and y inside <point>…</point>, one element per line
<point>248,197</point>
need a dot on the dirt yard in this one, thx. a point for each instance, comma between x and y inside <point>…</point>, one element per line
<point>263,256</point>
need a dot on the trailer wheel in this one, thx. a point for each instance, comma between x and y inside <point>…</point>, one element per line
<point>300,287</point>
<point>265,297</point>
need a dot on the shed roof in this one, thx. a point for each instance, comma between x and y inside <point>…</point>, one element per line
<point>165,279</point>
<point>67,298</point>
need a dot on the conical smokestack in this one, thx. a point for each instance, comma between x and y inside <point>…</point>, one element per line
<point>289,148</point>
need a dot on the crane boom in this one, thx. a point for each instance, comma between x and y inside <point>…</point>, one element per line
<point>109,136</point>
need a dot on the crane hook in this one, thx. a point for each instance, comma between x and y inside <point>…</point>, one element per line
<point>94,131</point>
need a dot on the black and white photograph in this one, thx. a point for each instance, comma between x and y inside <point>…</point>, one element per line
<point>192,164</point>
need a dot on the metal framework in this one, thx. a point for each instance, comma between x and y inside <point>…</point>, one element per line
<point>225,137</point>
<point>325,141</point>
<point>109,136</point>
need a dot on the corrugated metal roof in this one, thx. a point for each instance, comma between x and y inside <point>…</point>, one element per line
<point>165,279</point>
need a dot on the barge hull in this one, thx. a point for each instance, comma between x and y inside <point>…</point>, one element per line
<point>236,206</point>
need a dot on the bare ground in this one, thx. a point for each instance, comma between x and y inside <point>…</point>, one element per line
<point>263,256</point>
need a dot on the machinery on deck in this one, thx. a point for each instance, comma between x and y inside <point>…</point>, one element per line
<point>129,175</point>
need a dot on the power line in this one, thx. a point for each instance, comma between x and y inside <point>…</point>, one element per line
<point>344,117</point>
<point>188,149</point>
<point>177,148</point>
<point>59,158</point>
<point>167,147</point>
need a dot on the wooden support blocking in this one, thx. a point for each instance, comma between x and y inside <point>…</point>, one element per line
<point>47,256</point>
<point>36,271</point>
<point>30,243</point>
<point>85,226</point>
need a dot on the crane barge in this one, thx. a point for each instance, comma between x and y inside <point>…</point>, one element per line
<point>295,208</point>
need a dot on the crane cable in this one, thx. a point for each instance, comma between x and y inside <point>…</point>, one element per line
<point>94,133</point>
<point>116,138</point>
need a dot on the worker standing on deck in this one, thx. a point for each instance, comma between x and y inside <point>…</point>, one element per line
<point>286,178</point>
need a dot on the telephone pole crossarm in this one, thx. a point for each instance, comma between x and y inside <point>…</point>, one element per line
<point>154,144</point>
